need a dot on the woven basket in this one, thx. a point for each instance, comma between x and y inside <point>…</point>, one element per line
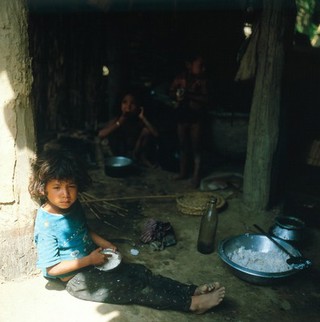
<point>196,202</point>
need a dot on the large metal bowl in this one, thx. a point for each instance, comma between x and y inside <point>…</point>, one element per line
<point>256,243</point>
<point>118,166</point>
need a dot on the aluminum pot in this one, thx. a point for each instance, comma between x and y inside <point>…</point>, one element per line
<point>290,229</point>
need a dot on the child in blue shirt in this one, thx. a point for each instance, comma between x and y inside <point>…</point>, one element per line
<point>68,250</point>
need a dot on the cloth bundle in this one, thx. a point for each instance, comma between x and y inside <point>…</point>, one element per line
<point>158,234</point>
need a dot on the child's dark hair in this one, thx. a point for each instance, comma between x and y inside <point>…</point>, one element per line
<point>57,165</point>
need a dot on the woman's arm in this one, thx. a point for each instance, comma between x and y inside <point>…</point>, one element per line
<point>108,129</point>
<point>112,126</point>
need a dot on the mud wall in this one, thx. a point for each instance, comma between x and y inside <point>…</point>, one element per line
<point>17,143</point>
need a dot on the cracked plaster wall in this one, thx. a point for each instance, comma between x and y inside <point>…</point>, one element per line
<point>17,143</point>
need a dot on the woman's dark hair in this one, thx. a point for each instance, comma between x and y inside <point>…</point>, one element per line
<point>135,92</point>
<point>57,165</point>
<point>191,56</point>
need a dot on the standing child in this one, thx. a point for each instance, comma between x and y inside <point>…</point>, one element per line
<point>68,250</point>
<point>189,90</point>
<point>130,133</point>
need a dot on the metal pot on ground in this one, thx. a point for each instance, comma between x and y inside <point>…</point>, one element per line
<point>118,166</point>
<point>290,229</point>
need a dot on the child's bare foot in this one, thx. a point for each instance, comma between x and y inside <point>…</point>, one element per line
<point>204,302</point>
<point>206,288</point>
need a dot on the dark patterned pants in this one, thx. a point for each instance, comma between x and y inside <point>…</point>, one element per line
<point>131,284</point>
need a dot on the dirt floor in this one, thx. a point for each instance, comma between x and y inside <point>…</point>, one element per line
<point>151,194</point>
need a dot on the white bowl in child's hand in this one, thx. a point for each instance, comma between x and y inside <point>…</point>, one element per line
<point>113,261</point>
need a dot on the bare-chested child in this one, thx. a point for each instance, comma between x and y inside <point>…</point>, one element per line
<point>189,90</point>
<point>69,251</point>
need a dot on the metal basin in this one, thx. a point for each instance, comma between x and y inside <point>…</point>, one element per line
<point>118,166</point>
<point>256,243</point>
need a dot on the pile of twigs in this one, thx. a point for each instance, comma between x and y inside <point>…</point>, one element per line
<point>100,207</point>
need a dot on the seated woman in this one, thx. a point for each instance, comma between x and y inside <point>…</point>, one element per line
<point>130,133</point>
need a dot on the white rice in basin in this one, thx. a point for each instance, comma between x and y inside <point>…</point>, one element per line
<point>273,261</point>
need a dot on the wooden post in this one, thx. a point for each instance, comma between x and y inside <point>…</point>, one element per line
<point>264,122</point>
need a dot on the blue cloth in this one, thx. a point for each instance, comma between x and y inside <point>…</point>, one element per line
<point>61,237</point>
